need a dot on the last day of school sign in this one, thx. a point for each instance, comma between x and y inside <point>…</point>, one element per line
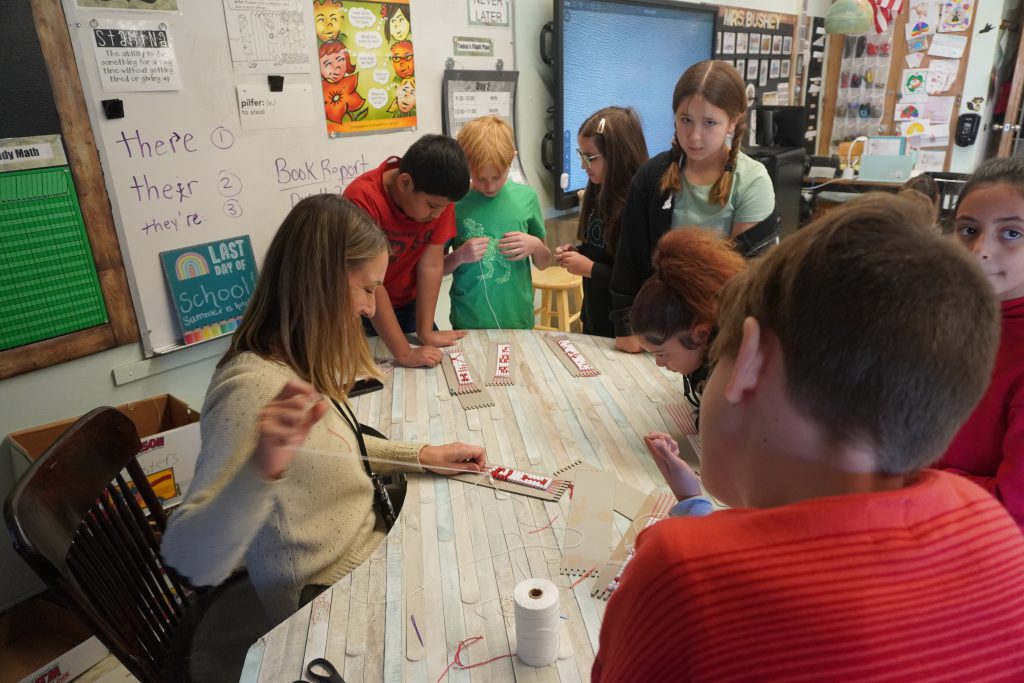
<point>210,284</point>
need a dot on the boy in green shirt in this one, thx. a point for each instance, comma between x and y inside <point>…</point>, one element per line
<point>499,230</point>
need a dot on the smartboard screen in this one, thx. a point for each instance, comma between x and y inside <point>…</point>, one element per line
<point>626,53</point>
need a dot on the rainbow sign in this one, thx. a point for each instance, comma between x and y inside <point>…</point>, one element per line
<point>210,285</point>
<point>190,265</point>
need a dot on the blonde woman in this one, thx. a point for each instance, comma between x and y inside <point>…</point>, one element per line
<point>279,483</point>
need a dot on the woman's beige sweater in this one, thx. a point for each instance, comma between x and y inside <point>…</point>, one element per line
<point>313,526</point>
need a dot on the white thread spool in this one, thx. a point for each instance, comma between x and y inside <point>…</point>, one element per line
<point>537,614</point>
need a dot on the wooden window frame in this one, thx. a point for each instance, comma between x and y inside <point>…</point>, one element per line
<point>83,158</point>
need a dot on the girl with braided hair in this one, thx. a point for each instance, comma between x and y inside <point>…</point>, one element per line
<point>703,180</point>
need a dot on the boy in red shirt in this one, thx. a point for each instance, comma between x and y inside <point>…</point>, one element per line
<point>411,199</point>
<point>840,374</point>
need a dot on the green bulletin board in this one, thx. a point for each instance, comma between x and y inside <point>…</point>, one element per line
<point>48,282</point>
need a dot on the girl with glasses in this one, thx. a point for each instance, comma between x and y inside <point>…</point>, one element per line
<point>611,149</point>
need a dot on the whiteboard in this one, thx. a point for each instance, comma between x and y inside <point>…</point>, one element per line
<point>179,167</point>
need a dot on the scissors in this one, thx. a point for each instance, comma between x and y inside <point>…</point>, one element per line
<point>322,670</point>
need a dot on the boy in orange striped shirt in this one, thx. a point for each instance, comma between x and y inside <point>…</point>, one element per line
<point>842,372</point>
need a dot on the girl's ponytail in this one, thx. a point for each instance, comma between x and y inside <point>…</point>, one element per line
<point>672,178</point>
<point>719,194</point>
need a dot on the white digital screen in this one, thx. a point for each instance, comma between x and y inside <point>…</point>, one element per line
<point>625,54</point>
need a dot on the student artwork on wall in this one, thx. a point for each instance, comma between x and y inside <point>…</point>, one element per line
<point>151,5</point>
<point>267,37</point>
<point>367,68</point>
<point>956,16</point>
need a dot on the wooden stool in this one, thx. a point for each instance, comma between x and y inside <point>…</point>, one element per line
<point>555,283</point>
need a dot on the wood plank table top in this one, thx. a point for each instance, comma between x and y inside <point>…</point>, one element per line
<point>458,549</point>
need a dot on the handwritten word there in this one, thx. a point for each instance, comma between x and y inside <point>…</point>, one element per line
<point>144,147</point>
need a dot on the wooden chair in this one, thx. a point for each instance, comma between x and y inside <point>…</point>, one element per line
<point>556,313</point>
<point>77,518</point>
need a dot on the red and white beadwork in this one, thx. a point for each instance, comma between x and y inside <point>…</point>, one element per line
<point>503,368</point>
<point>461,368</point>
<point>523,478</point>
<point>575,356</point>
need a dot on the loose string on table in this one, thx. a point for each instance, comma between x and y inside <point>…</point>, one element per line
<point>482,477</point>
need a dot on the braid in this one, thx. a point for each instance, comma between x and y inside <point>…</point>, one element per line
<point>719,194</point>
<point>671,179</point>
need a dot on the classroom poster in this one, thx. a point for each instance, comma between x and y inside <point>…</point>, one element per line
<point>210,285</point>
<point>367,69</point>
<point>267,36</point>
<point>135,56</point>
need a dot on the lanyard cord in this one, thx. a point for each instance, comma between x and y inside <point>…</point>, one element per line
<point>380,493</point>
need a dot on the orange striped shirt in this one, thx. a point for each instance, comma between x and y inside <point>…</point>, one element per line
<point>923,583</point>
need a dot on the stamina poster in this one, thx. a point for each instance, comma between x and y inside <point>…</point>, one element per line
<point>367,67</point>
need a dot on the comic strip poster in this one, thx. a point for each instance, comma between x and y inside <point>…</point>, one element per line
<point>367,70</point>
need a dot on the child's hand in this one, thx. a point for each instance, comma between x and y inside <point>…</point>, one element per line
<point>679,476</point>
<point>419,357</point>
<point>575,262</point>
<point>458,455</point>
<point>473,249</point>
<point>562,248</point>
<point>628,344</point>
<point>441,337</point>
<point>283,426</point>
<point>515,246</point>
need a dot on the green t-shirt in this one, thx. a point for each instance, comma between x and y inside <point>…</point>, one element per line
<point>751,200</point>
<point>494,282</point>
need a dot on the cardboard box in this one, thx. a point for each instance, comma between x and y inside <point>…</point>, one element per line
<point>42,642</point>
<point>168,429</point>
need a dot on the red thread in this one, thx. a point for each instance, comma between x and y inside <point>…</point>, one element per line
<point>457,661</point>
<point>340,437</point>
<point>547,526</point>
<point>580,580</point>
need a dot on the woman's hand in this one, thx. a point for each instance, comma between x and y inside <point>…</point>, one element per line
<point>679,476</point>
<point>562,248</point>
<point>453,456</point>
<point>283,425</point>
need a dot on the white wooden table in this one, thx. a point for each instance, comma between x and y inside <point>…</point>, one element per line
<point>458,550</point>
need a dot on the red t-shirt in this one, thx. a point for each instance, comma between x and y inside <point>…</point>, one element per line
<point>408,238</point>
<point>918,584</point>
<point>989,448</point>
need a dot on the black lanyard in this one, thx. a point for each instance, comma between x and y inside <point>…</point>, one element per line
<point>380,494</point>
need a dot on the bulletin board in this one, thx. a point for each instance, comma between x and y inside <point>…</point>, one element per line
<point>230,117</point>
<point>927,50</point>
<point>43,324</point>
<point>761,46</point>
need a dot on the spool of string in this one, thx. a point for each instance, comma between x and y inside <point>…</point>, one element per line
<point>537,613</point>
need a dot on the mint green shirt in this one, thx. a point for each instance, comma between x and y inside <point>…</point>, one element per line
<point>751,200</point>
<point>495,292</point>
